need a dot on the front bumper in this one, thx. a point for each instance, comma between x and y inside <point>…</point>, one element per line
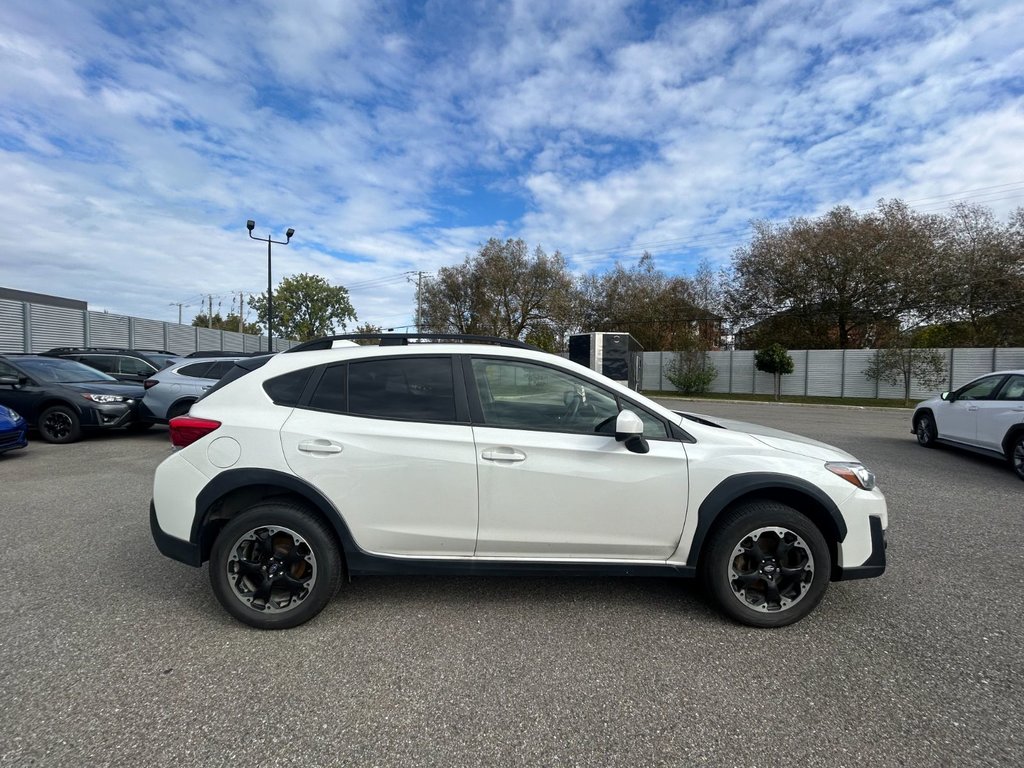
<point>109,415</point>
<point>13,439</point>
<point>875,564</point>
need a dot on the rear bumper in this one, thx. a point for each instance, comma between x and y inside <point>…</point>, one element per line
<point>875,564</point>
<point>171,546</point>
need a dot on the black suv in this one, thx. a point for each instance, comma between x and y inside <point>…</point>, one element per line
<point>123,364</point>
<point>61,397</point>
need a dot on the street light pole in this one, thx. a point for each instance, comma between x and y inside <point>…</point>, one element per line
<point>251,225</point>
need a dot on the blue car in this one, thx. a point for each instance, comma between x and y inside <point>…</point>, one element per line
<point>13,430</point>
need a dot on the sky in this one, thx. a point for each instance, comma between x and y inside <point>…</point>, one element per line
<point>137,138</point>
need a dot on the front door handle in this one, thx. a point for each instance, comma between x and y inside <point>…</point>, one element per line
<point>319,446</point>
<point>503,454</point>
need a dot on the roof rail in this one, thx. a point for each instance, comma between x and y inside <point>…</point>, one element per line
<point>402,339</point>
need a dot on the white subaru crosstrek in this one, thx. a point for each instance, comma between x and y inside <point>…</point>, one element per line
<point>985,416</point>
<point>472,455</point>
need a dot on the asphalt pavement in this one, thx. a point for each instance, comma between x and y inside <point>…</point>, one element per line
<point>111,654</point>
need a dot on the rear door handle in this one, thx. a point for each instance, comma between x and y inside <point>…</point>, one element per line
<point>503,454</point>
<point>319,446</point>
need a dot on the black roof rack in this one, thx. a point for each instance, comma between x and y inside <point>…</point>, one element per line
<point>401,339</point>
<point>221,353</point>
<point>134,350</point>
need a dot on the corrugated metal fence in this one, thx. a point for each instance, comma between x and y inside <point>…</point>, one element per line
<point>28,327</point>
<point>830,372</point>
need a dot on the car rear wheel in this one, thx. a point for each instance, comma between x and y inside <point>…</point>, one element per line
<point>59,424</point>
<point>179,409</point>
<point>1017,455</point>
<point>275,566</point>
<point>924,428</point>
<point>767,565</point>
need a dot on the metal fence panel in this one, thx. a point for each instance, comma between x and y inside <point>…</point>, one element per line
<point>55,327</point>
<point>824,372</point>
<point>106,330</point>
<point>181,339</point>
<point>969,364</point>
<point>233,341</point>
<point>1009,359</point>
<point>12,326</point>
<point>855,383</point>
<point>149,334</point>
<point>209,339</point>
<point>723,364</point>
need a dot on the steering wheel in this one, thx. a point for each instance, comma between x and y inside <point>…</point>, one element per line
<point>572,408</point>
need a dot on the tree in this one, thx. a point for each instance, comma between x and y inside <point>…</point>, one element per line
<point>662,312</point>
<point>775,360</point>
<point>229,323</point>
<point>835,280</point>
<point>306,307</point>
<point>503,290</point>
<point>369,328</point>
<point>691,373</point>
<point>904,364</point>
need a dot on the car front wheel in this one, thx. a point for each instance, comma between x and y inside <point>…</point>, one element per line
<point>767,565</point>
<point>925,430</point>
<point>275,566</point>
<point>59,424</point>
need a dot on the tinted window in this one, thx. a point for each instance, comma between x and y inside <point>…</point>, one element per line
<point>105,363</point>
<point>330,391</point>
<point>219,369</point>
<point>418,388</point>
<point>135,366</point>
<point>196,370</point>
<point>287,389</point>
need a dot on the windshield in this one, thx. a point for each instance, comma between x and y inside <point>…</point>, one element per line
<point>60,371</point>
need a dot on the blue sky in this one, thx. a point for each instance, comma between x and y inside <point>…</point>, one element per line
<point>396,137</point>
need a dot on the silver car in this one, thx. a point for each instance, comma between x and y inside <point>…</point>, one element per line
<point>172,391</point>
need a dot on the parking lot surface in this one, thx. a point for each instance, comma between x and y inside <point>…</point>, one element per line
<point>111,654</point>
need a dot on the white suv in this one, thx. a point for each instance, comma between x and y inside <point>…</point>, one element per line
<point>985,416</point>
<point>483,456</point>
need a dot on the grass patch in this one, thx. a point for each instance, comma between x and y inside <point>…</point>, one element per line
<point>872,402</point>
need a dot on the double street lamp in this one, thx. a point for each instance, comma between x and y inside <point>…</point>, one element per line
<point>251,225</point>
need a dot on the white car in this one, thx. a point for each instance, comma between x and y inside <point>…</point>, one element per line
<point>480,456</point>
<point>985,416</point>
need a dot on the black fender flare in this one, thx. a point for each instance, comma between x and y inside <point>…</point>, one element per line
<point>769,485</point>
<point>237,479</point>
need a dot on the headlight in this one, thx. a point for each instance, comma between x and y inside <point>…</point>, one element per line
<point>105,398</point>
<point>854,473</point>
<point>11,413</point>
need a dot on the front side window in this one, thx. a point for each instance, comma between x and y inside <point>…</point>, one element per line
<point>105,363</point>
<point>135,367</point>
<point>524,395</point>
<point>980,390</point>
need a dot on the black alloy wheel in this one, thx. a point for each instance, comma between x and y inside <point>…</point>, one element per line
<point>275,566</point>
<point>925,430</point>
<point>1017,455</point>
<point>59,424</point>
<point>767,565</point>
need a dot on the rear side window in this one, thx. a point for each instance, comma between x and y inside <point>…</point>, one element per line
<point>286,389</point>
<point>196,370</point>
<point>219,369</point>
<point>420,389</point>
<point>241,367</point>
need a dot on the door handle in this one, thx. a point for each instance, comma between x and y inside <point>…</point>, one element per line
<point>503,454</point>
<point>319,446</point>
<point>972,407</point>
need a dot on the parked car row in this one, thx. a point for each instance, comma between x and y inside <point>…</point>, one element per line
<point>62,393</point>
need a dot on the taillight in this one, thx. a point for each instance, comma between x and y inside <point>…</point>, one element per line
<point>185,430</point>
<point>150,383</point>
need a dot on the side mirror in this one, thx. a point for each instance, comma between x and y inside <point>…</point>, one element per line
<point>949,397</point>
<point>629,430</point>
<point>10,381</point>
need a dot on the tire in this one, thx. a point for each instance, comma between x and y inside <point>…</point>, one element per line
<point>179,409</point>
<point>1016,454</point>
<point>766,565</point>
<point>924,428</point>
<point>59,424</point>
<point>292,552</point>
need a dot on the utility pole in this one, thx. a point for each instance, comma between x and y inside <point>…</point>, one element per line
<point>419,298</point>
<point>179,305</point>
<point>241,321</point>
<point>209,314</point>
<point>251,225</point>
